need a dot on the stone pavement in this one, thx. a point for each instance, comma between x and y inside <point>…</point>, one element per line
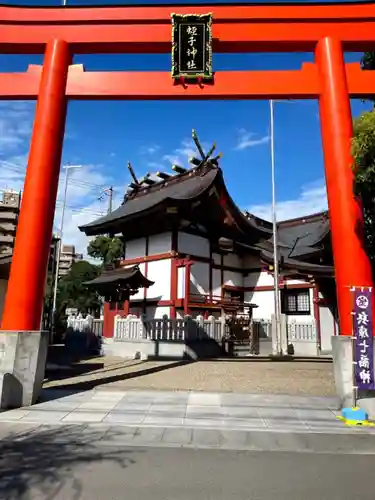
<point>190,410</point>
<point>247,375</point>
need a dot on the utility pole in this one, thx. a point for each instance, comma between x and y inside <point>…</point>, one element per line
<point>57,269</point>
<point>110,199</point>
<point>274,231</point>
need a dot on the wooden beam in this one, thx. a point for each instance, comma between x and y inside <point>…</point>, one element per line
<point>355,11</point>
<point>298,84</point>
<point>264,35</point>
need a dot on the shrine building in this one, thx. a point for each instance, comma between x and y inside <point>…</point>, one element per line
<point>195,252</point>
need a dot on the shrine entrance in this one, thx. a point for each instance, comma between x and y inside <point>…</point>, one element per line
<point>60,32</point>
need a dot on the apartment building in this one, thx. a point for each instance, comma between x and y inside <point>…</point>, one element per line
<point>68,256</point>
<point>9,210</point>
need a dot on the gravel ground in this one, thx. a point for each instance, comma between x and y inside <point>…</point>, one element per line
<point>248,376</point>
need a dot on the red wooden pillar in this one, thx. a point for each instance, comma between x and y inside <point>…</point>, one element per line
<point>24,299</point>
<point>352,266</point>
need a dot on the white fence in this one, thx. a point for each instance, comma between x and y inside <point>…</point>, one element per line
<point>301,332</point>
<point>132,328</point>
<point>263,328</point>
<point>87,324</point>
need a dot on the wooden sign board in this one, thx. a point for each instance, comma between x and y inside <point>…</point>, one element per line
<point>192,46</point>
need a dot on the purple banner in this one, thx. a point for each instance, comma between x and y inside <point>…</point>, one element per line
<point>363,341</point>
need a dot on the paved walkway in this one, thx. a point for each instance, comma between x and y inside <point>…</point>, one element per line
<point>248,375</point>
<point>192,410</point>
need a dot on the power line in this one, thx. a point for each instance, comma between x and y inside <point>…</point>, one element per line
<point>18,168</point>
<point>81,209</point>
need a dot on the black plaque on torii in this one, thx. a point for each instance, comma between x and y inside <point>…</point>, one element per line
<point>192,46</point>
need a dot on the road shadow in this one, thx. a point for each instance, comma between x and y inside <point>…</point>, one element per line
<point>64,363</point>
<point>43,463</point>
<point>273,359</point>
<point>87,385</point>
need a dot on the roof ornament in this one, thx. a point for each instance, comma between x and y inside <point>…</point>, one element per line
<point>178,169</point>
<point>163,175</point>
<point>205,159</point>
<point>135,184</point>
<point>146,179</point>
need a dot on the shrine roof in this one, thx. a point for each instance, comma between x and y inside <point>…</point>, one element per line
<point>306,231</point>
<point>184,187</point>
<point>130,274</point>
<point>302,266</point>
<point>179,188</point>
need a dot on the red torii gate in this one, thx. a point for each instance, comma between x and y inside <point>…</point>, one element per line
<point>325,29</point>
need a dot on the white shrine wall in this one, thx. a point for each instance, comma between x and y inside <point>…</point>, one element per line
<point>199,246</point>
<point>134,249</point>
<point>159,272</point>
<point>232,278</point>
<point>216,282</point>
<point>193,245</point>
<point>265,299</point>
<point>200,278</point>
<point>157,244</point>
<point>141,292</point>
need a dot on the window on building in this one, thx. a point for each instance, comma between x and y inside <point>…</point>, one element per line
<point>295,302</point>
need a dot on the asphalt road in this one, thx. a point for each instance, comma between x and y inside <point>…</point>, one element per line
<point>72,472</point>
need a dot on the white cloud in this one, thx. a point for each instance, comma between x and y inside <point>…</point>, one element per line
<point>16,120</point>
<point>311,199</point>
<point>150,150</point>
<point>187,149</point>
<point>182,154</point>
<point>248,139</point>
<point>85,184</point>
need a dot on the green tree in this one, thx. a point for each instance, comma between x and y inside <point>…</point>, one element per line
<point>364,167</point>
<point>71,291</point>
<point>368,60</point>
<point>106,248</point>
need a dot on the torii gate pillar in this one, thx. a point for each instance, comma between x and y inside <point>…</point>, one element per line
<point>352,265</point>
<point>21,335</point>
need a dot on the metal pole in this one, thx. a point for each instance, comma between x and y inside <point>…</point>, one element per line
<point>274,231</point>
<point>57,269</point>
<point>64,2</point>
<point>60,243</point>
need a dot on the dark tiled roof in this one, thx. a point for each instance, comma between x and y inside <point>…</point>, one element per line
<point>304,267</point>
<point>299,240</point>
<point>304,232</point>
<point>131,274</point>
<point>179,188</point>
<point>185,187</point>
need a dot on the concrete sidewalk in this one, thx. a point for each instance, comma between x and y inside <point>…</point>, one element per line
<point>189,410</point>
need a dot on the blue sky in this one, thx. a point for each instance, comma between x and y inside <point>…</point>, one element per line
<point>103,136</point>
